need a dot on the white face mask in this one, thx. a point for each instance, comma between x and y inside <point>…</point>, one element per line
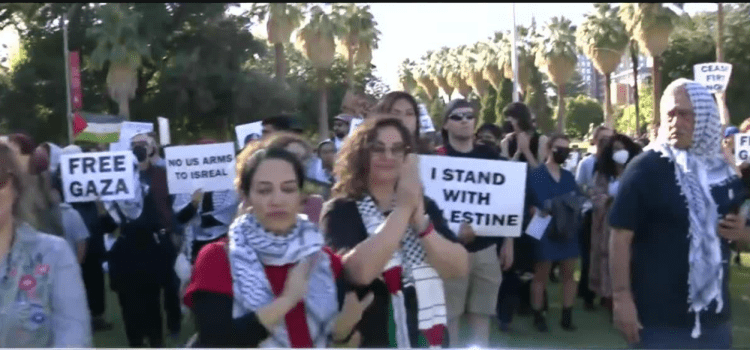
<point>621,156</point>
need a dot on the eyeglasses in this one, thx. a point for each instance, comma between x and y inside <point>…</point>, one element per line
<point>461,117</point>
<point>397,151</point>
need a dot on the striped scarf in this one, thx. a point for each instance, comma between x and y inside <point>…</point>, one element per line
<point>409,268</point>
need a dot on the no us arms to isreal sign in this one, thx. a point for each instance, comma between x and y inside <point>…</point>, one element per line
<point>714,76</point>
<point>488,194</point>
<point>204,167</point>
<point>105,175</point>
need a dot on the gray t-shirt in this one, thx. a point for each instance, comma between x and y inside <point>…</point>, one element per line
<point>73,225</point>
<point>585,172</point>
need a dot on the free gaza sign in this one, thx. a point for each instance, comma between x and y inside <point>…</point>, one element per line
<point>714,76</point>
<point>104,175</point>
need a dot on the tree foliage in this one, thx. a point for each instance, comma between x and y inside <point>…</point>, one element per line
<point>581,112</point>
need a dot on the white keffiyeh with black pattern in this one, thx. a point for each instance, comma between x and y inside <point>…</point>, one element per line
<point>696,170</point>
<point>251,248</point>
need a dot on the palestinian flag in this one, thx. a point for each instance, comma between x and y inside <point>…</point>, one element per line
<point>97,128</point>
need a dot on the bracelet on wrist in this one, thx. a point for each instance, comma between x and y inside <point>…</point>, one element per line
<point>428,230</point>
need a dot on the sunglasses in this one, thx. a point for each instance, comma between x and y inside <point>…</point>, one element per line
<point>397,151</point>
<point>461,117</point>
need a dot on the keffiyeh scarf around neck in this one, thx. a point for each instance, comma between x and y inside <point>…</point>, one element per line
<point>131,208</point>
<point>251,248</point>
<point>696,170</point>
<point>410,265</point>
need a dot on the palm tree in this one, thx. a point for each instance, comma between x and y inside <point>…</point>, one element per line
<point>603,38</point>
<point>423,76</point>
<point>525,57</point>
<point>119,44</point>
<point>440,66</point>
<point>406,72</point>
<point>316,39</point>
<point>556,54</point>
<point>650,25</point>
<point>283,19</point>
<point>457,77</point>
<point>358,36</point>
<point>492,64</point>
<point>475,69</point>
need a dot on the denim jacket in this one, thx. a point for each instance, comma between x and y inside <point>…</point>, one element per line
<point>42,298</point>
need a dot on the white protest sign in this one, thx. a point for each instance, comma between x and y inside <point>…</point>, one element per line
<point>488,194</point>
<point>247,132</point>
<point>204,167</point>
<point>714,76</point>
<point>354,124</point>
<point>572,161</point>
<point>127,131</point>
<point>742,148</point>
<point>425,122</point>
<point>164,136</point>
<point>104,175</point>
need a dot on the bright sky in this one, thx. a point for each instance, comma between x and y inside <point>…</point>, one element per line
<point>408,30</point>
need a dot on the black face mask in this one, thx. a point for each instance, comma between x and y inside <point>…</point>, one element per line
<point>560,155</point>
<point>140,153</point>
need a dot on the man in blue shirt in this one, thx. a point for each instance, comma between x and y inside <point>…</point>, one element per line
<point>671,225</point>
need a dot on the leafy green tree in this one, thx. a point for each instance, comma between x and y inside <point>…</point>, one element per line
<point>580,113</point>
<point>503,98</point>
<point>626,124</point>
<point>556,55</point>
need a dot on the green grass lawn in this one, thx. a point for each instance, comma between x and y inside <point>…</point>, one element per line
<point>594,328</point>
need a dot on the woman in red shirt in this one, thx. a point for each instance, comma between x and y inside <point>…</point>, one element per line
<point>271,283</point>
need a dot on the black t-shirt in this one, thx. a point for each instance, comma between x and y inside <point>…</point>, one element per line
<point>343,228</point>
<point>649,203</point>
<point>478,152</point>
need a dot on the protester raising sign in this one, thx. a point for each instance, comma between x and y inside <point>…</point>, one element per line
<point>488,194</point>
<point>103,175</point>
<point>714,76</point>
<point>127,131</point>
<point>248,132</point>
<point>425,121</point>
<point>204,167</point>
<point>742,148</point>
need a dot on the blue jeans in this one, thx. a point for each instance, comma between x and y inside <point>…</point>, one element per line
<point>719,337</point>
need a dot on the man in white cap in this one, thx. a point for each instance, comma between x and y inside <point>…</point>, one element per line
<point>672,222</point>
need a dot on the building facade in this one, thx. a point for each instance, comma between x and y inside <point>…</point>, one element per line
<point>622,78</point>
<point>591,78</point>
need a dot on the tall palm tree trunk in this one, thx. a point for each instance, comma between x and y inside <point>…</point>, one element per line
<point>656,77</point>
<point>123,105</point>
<point>323,107</point>
<point>636,97</point>
<point>720,34</point>
<point>280,62</point>
<point>350,72</point>
<point>561,108</point>
<point>608,112</point>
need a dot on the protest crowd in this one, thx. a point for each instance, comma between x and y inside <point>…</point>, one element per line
<point>379,236</point>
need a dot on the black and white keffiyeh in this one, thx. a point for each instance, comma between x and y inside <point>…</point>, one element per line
<point>416,272</point>
<point>696,170</point>
<point>131,208</point>
<point>251,248</point>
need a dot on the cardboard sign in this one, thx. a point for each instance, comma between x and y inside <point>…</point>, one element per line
<point>425,122</point>
<point>127,131</point>
<point>247,132</point>
<point>104,175</point>
<point>488,194</point>
<point>714,76</point>
<point>204,167</point>
<point>164,136</point>
<point>741,148</point>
